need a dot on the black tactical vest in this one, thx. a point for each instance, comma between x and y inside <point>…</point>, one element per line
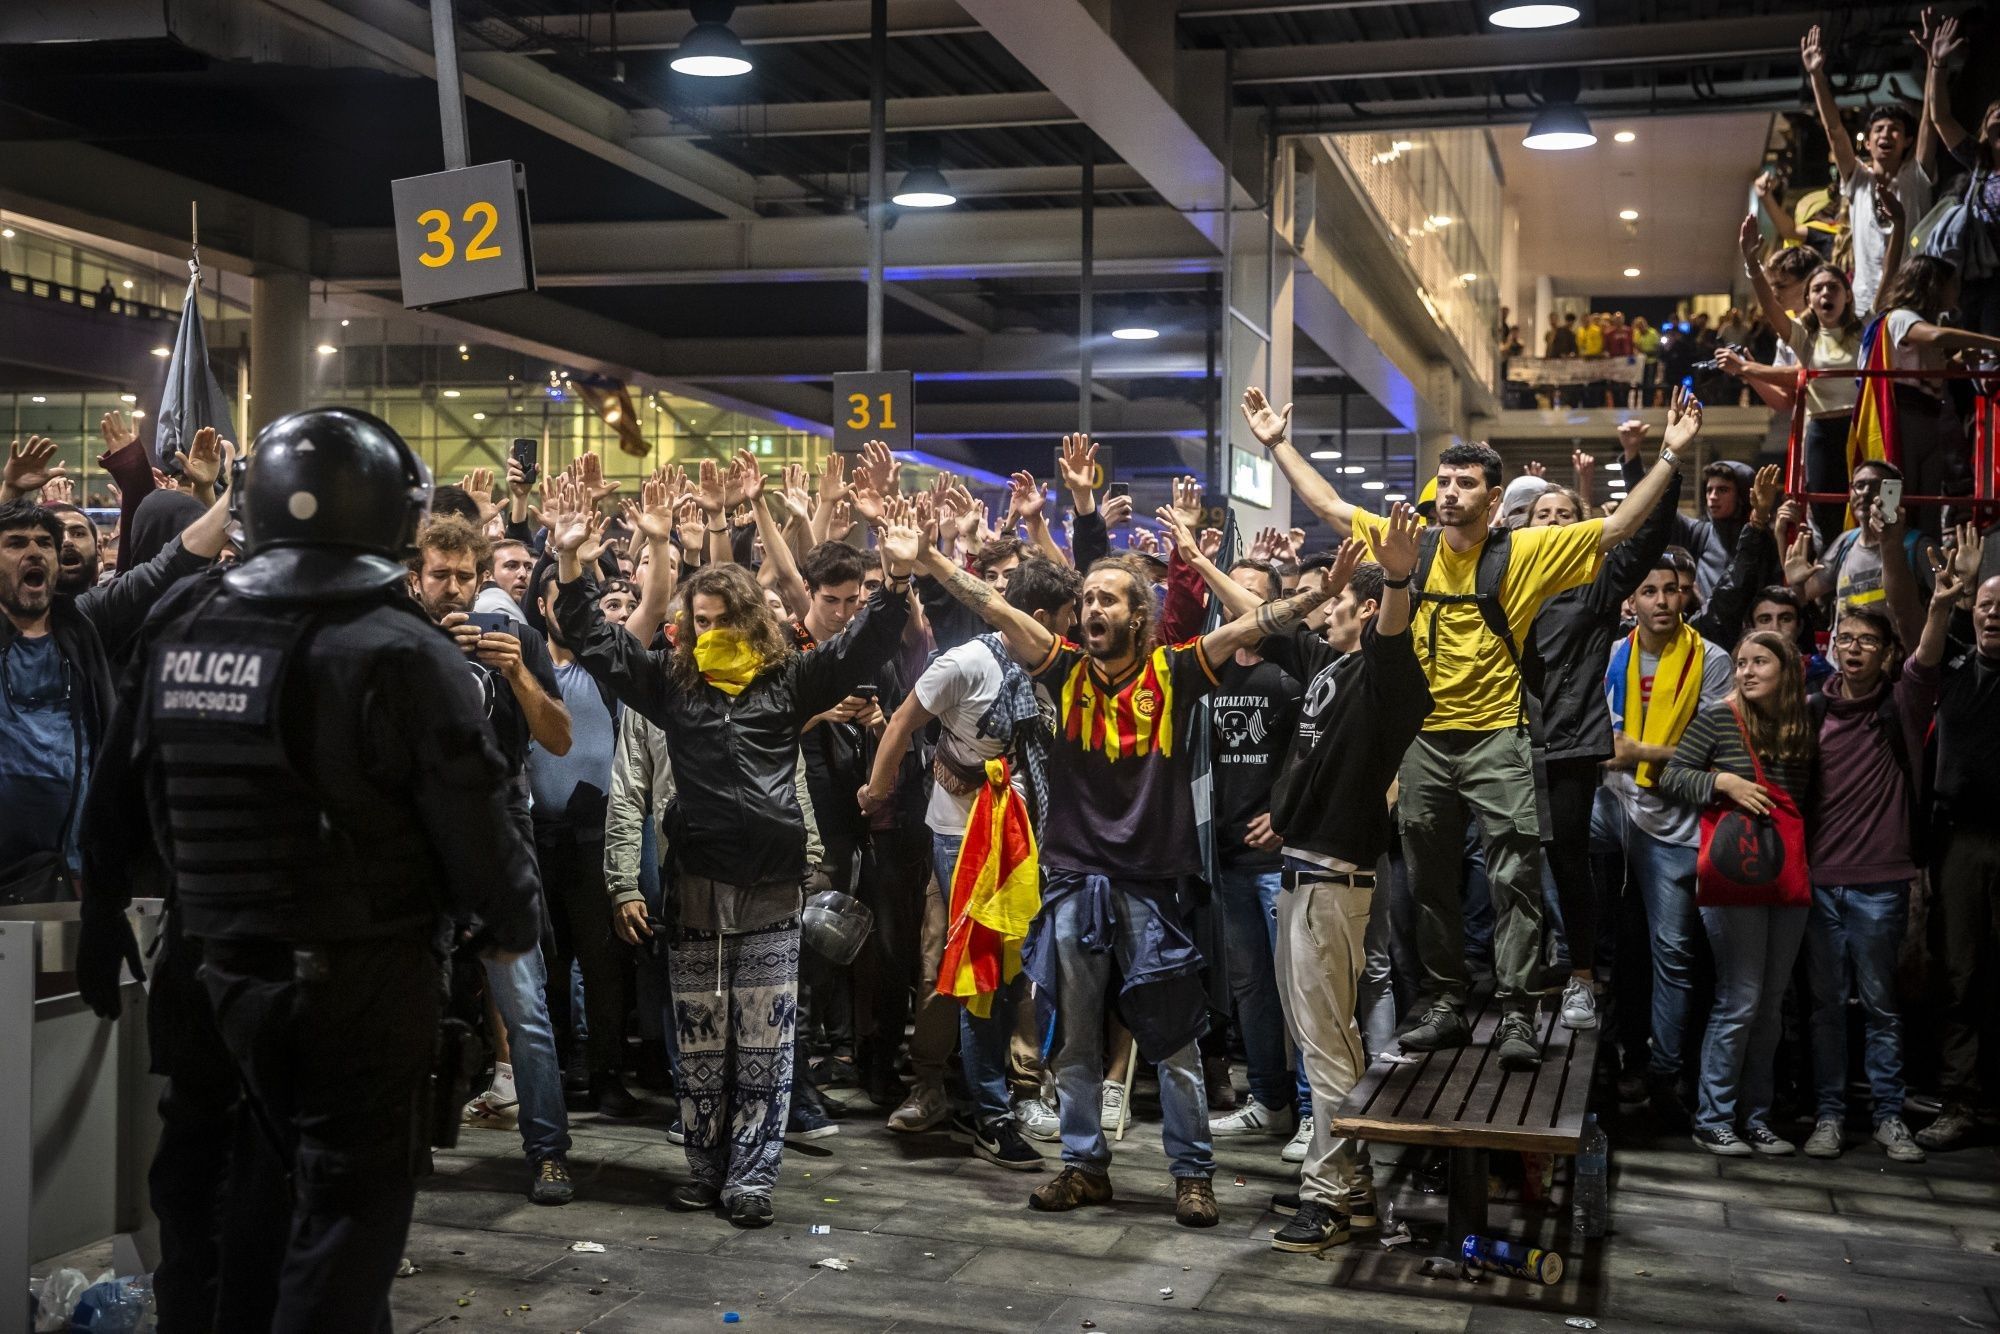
<point>253,849</point>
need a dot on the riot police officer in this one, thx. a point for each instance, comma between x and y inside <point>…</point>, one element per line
<point>328,797</point>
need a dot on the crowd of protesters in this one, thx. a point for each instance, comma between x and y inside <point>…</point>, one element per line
<point>834,780</point>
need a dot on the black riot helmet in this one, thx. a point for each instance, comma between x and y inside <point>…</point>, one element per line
<point>329,506</point>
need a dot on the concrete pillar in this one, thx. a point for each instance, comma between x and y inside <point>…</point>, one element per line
<point>280,331</point>
<point>1545,305</point>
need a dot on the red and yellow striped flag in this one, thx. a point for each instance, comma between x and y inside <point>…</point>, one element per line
<point>996,890</point>
<point>1871,434</point>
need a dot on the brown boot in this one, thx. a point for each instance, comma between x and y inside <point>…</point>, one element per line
<point>1073,1188</point>
<point>1194,1202</point>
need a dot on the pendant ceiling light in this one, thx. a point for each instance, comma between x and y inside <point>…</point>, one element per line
<point>711,50</point>
<point>1559,126</point>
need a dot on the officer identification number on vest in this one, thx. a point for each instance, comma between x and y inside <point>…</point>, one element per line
<point>209,683</point>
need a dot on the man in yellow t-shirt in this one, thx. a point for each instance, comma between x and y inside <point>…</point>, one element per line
<point>1472,757</point>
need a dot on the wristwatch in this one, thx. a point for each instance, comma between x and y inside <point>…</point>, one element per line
<point>1667,455</point>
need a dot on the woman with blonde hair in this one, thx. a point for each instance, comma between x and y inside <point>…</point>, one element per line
<point>1745,762</point>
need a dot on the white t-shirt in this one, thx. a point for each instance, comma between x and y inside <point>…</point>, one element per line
<point>1871,244</point>
<point>958,688</point>
<point>1830,350</point>
<point>1913,356</point>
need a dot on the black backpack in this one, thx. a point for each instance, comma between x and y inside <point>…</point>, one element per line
<point>1485,594</point>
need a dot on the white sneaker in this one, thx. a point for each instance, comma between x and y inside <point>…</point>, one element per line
<point>488,1113</point>
<point>923,1109</point>
<point>1579,1005</point>
<point>1252,1118</point>
<point>1826,1141</point>
<point>1295,1151</point>
<point>1897,1141</point>
<point>1038,1120</point>
<point>1112,1109</point>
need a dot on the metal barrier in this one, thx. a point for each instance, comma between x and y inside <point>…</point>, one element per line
<point>1985,494</point>
<point>77,1105</point>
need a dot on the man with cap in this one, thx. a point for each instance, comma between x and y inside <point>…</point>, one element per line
<point>328,797</point>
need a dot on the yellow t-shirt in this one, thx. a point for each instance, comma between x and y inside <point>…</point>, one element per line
<point>1474,686</point>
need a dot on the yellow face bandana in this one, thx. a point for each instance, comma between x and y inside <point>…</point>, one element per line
<point>725,661</point>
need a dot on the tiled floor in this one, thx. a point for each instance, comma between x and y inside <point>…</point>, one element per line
<point>937,1240</point>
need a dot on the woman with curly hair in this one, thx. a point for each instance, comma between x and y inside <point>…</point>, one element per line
<point>731,695</point>
<point>1746,762</point>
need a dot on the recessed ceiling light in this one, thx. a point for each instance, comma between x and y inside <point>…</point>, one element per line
<point>1436,220</point>
<point>163,352</point>
<point>451,393</point>
<point>1397,495</point>
<point>1629,214</point>
<point>6,233</point>
<point>1624,136</point>
<point>1521,14</point>
<point>1136,333</point>
<point>1631,273</point>
<point>1354,470</point>
<point>1468,278</point>
<point>138,413</point>
<point>128,284</point>
<point>326,349</point>
<point>1373,486</point>
<point>41,398</point>
<point>128,398</point>
<point>1324,455</point>
<point>345,323</point>
<point>479,416</point>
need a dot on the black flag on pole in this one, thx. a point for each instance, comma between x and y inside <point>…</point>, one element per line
<point>193,398</point>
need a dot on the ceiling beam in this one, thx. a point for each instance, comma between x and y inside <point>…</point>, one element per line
<point>945,244</point>
<point>774,120</point>
<point>1647,44</point>
<point>961,357</point>
<point>1487,111</point>
<point>520,87</point>
<point>823,21</point>
<point>967,183</point>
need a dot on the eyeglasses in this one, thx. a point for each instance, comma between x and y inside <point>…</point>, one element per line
<point>1869,642</point>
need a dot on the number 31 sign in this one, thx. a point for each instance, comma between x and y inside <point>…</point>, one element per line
<point>463,234</point>
<point>871,405</point>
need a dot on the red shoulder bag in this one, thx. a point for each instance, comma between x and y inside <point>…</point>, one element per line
<point>1752,861</point>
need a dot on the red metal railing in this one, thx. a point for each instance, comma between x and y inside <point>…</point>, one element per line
<point>1985,448</point>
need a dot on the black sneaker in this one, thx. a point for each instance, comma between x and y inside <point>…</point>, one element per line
<point>1314,1228</point>
<point>694,1197</point>
<point>1285,1204</point>
<point>808,1120</point>
<point>1515,1039</point>
<point>1722,1142</point>
<point>549,1182</point>
<point>1442,1026</point>
<point>1001,1144</point>
<point>750,1211</point>
<point>610,1097</point>
<point>675,1133</point>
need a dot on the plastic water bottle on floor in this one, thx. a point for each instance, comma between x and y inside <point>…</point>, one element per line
<point>117,1306</point>
<point>1590,1210</point>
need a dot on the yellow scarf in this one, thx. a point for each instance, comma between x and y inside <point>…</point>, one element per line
<point>1676,691</point>
<point>726,661</point>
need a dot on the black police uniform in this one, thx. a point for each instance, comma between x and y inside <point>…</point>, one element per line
<point>327,793</point>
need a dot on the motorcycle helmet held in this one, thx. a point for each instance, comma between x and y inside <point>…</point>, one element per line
<point>329,506</point>
<point>836,925</point>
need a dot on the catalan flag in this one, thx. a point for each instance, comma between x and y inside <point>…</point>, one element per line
<point>1872,432</point>
<point>1133,722</point>
<point>996,890</point>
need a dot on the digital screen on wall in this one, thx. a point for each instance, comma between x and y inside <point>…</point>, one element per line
<point>1249,477</point>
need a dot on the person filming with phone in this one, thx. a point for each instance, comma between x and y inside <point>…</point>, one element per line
<point>1880,565</point>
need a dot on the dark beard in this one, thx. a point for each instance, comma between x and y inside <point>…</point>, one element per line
<point>73,579</point>
<point>1117,642</point>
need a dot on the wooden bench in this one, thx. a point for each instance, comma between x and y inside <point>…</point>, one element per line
<point>1460,1100</point>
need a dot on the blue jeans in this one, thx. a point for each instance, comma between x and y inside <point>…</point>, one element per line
<point>1754,949</point>
<point>1250,932</point>
<point>1082,980</point>
<point>982,1043</point>
<point>1665,872</point>
<point>519,992</point>
<point>1858,928</point>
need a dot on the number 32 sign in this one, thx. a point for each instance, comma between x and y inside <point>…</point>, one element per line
<point>463,234</point>
<point>871,405</point>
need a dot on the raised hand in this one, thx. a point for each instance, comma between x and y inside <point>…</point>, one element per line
<point>879,462</point>
<point>904,540</point>
<point>1186,503</point>
<point>1948,583</point>
<point>709,490</point>
<point>690,523</point>
<point>590,476</point>
<point>1347,557</point>
<point>1946,42</point>
<point>1534,468</point>
<point>1025,497</point>
<point>1790,513</point>
<point>869,500</point>
<point>833,480</point>
<point>1750,240</point>
<point>479,485</point>
<point>1764,492</point>
<point>1632,435</point>
<point>1265,545</point>
<point>795,493</point>
<point>201,462</point>
<point>969,522</point>
<point>654,514</point>
<point>59,491</point>
<point>1271,427</point>
<point>1142,540</point>
<point>1211,542</point>
<point>1968,548</point>
<point>1176,530</point>
<point>30,467</point>
<point>745,481</point>
<point>116,428</point>
<point>1079,463</point>
<point>1810,53</point>
<point>1117,510</point>
<point>1396,549</point>
<point>1799,564</point>
<point>1683,420</point>
<point>1584,466</point>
